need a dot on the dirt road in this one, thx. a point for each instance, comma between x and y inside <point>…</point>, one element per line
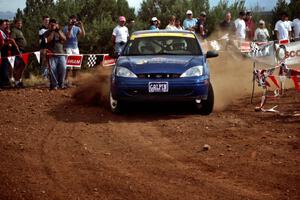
<point>53,147</point>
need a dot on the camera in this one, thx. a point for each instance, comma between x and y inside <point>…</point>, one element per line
<point>56,30</point>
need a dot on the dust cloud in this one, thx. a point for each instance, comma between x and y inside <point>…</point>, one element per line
<point>93,87</point>
<point>231,77</point>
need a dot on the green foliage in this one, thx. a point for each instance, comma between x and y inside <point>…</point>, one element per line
<point>100,16</point>
<point>281,6</point>
<point>295,8</point>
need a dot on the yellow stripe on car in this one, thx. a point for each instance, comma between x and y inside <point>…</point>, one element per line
<point>143,35</point>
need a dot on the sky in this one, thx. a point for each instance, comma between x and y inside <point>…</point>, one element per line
<point>13,5</point>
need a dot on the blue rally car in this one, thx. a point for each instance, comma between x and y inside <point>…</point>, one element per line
<point>162,66</point>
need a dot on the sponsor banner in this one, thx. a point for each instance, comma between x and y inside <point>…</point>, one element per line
<point>74,61</point>
<point>108,61</point>
<point>292,55</point>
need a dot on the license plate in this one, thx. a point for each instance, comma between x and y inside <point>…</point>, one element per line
<point>158,87</point>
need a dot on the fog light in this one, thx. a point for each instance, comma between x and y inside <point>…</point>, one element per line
<point>198,100</point>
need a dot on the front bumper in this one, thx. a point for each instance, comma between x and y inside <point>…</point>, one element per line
<point>180,89</point>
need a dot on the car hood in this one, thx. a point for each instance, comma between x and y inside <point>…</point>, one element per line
<point>159,64</point>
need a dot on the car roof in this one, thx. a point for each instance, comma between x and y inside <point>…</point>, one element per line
<point>162,33</point>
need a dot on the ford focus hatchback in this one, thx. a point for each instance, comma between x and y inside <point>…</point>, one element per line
<point>162,66</point>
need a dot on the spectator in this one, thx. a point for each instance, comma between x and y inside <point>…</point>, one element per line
<point>227,25</point>
<point>43,58</point>
<point>283,28</point>
<point>201,28</point>
<point>8,48</point>
<point>55,39</point>
<point>72,31</point>
<point>296,27</point>
<point>158,24</point>
<point>131,26</point>
<point>189,23</point>
<point>171,25</point>
<point>240,26</point>
<point>178,24</point>
<point>154,24</point>
<point>250,26</point>
<point>19,67</point>
<point>120,35</point>
<point>261,33</point>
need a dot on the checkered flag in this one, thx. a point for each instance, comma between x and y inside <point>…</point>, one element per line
<point>93,60</point>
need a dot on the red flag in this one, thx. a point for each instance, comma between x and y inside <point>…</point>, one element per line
<point>25,57</point>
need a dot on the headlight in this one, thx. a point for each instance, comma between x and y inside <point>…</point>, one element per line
<point>194,71</point>
<point>124,72</point>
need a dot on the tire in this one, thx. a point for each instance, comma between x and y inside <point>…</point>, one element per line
<point>206,106</point>
<point>114,104</point>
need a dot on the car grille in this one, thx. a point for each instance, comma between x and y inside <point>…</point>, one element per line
<point>157,76</point>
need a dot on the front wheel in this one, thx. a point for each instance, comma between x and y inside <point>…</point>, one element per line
<point>206,106</point>
<point>115,105</point>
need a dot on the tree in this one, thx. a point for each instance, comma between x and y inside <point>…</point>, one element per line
<point>281,6</point>
<point>294,6</point>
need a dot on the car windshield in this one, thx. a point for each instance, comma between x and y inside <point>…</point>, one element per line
<point>162,46</point>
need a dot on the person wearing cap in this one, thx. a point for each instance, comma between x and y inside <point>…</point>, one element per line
<point>200,26</point>
<point>261,33</point>
<point>189,23</point>
<point>240,26</point>
<point>120,35</point>
<point>250,26</point>
<point>283,27</point>
<point>154,24</point>
<point>296,27</point>
<point>55,40</point>
<point>171,25</point>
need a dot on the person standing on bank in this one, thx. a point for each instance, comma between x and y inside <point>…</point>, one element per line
<point>201,26</point>
<point>72,31</point>
<point>283,27</point>
<point>18,36</point>
<point>189,23</point>
<point>43,57</point>
<point>120,36</point>
<point>261,33</point>
<point>240,26</point>
<point>55,40</point>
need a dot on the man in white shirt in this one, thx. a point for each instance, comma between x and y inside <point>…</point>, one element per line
<point>240,26</point>
<point>296,27</point>
<point>283,28</point>
<point>120,35</point>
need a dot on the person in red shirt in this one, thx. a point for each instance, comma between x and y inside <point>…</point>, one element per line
<point>250,26</point>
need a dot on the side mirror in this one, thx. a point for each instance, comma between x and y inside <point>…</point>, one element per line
<point>212,54</point>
